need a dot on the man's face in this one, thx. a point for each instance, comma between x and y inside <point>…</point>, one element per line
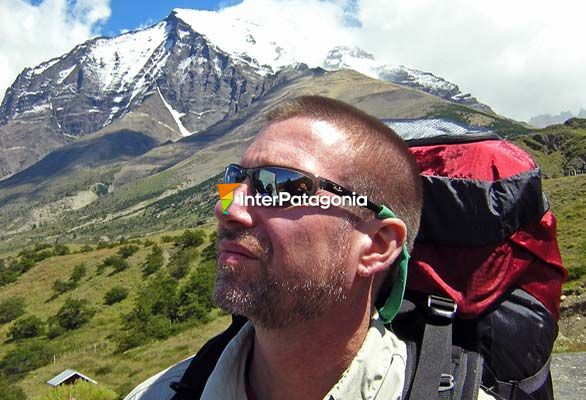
<point>282,266</point>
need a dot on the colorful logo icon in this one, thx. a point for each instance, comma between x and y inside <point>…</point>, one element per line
<point>226,191</point>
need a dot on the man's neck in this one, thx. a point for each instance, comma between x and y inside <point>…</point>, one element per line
<point>305,361</point>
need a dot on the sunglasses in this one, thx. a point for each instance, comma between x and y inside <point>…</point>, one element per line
<point>272,180</point>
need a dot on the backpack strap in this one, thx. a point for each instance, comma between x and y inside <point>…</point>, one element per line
<point>464,381</point>
<point>517,389</point>
<point>434,365</point>
<point>203,363</point>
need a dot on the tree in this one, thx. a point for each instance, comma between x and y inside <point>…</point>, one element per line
<point>117,262</point>
<point>74,313</point>
<point>26,328</point>
<point>60,287</point>
<point>195,298</point>
<point>10,391</point>
<point>115,295</point>
<point>181,261</point>
<point>154,261</point>
<point>86,248</point>
<point>11,308</point>
<point>127,251</point>
<point>26,357</point>
<point>190,238</point>
<point>78,272</point>
<point>60,249</point>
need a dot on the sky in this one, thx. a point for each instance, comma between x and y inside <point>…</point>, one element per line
<point>522,57</point>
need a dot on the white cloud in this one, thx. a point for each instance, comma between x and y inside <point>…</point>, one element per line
<point>32,34</point>
<point>521,57</point>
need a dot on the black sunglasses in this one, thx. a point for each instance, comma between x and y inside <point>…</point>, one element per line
<point>272,180</point>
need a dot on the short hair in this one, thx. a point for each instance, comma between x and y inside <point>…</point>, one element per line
<point>382,168</point>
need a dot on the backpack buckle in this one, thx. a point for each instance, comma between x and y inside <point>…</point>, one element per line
<point>446,383</point>
<point>441,306</point>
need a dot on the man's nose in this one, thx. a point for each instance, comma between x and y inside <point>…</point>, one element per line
<point>238,212</point>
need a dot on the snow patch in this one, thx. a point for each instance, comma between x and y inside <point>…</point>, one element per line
<point>44,66</point>
<point>117,61</point>
<point>176,115</point>
<point>65,73</point>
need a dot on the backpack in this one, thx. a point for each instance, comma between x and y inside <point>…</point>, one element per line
<point>485,274</point>
<point>484,280</point>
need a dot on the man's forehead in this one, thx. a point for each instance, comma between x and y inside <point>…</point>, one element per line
<point>297,142</point>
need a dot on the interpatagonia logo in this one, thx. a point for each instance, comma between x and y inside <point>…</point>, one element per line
<point>226,191</point>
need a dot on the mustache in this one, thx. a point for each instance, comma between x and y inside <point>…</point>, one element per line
<point>257,244</point>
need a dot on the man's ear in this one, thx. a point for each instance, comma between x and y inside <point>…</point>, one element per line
<point>383,242</point>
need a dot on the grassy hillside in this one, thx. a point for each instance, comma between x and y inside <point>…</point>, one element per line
<point>558,149</point>
<point>567,197</point>
<point>101,348</point>
<point>141,195</point>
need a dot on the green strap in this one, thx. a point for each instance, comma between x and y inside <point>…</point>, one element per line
<point>391,307</point>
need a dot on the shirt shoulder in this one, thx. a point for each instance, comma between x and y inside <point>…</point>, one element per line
<point>157,386</point>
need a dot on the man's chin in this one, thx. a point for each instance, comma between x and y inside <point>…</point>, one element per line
<point>232,299</point>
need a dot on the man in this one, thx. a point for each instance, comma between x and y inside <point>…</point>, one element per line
<point>307,278</point>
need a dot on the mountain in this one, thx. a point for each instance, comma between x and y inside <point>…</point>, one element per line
<point>544,120</point>
<point>127,135</point>
<point>202,69</point>
<point>263,46</point>
<point>102,80</point>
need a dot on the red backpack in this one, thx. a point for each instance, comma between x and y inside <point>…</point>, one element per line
<point>486,273</point>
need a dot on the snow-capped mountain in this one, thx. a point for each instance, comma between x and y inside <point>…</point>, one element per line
<point>267,47</point>
<point>103,79</point>
<point>202,68</point>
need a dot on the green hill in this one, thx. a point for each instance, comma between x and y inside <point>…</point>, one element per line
<point>112,347</point>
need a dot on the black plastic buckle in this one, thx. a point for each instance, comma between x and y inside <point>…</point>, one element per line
<point>441,307</point>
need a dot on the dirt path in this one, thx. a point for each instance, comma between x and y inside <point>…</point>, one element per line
<point>569,376</point>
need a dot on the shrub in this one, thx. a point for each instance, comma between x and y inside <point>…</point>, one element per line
<point>153,262</point>
<point>104,369</point>
<point>167,239</point>
<point>148,243</point>
<point>81,390</point>
<point>25,357</point>
<point>11,308</point>
<point>22,265</point>
<point>102,245</point>
<point>10,391</point>
<point>180,263</point>
<point>195,298</point>
<point>153,314</point>
<point>60,287</point>
<point>60,250</point>
<point>78,272</point>
<point>8,275</point>
<point>190,238</point>
<point>54,330</point>
<point>117,262</point>
<point>86,248</point>
<point>26,328</point>
<point>41,246</point>
<point>74,313</point>
<point>127,251</point>
<point>42,255</point>
<point>576,272</point>
<point>209,252</point>
<point>115,295</point>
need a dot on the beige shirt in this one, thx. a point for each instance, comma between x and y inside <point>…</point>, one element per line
<point>377,371</point>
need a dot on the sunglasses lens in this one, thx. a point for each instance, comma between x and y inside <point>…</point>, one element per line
<point>234,174</point>
<point>292,182</point>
